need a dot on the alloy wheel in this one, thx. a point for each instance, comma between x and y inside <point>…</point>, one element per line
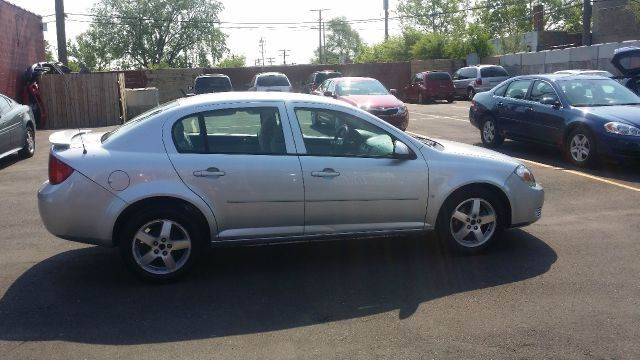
<point>488,131</point>
<point>580,148</point>
<point>473,222</point>
<point>161,247</point>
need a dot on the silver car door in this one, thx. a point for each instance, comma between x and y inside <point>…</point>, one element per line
<point>241,160</point>
<point>355,187</point>
<point>6,143</point>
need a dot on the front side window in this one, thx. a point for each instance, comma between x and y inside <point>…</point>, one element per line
<point>541,90</point>
<point>518,89</point>
<point>334,133</point>
<point>231,131</point>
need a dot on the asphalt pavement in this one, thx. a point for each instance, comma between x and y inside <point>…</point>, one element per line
<point>564,287</point>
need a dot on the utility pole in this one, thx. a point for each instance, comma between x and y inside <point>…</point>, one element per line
<point>586,22</point>
<point>320,50</point>
<point>284,55</point>
<point>60,32</point>
<point>262,42</point>
<point>385,3</point>
<point>271,60</point>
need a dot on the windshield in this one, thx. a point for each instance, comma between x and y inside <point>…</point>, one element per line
<point>138,120</point>
<point>273,80</point>
<point>361,87</point>
<point>597,92</point>
<point>212,84</point>
<point>438,76</point>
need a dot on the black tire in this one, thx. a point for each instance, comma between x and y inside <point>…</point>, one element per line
<point>140,218</point>
<point>29,147</point>
<point>450,99</point>
<point>490,141</point>
<point>445,224</point>
<point>470,93</point>
<point>577,158</point>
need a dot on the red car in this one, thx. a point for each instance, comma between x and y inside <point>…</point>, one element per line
<point>429,86</point>
<point>369,95</point>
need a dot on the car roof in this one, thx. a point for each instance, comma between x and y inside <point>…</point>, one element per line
<point>351,78</point>
<point>212,75</point>
<point>326,71</point>
<point>271,73</point>
<point>253,96</point>
<point>554,77</point>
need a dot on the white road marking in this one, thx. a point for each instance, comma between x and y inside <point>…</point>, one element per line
<point>569,171</point>
<point>441,117</point>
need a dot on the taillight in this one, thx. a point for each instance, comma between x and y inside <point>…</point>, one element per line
<point>478,81</point>
<point>58,171</point>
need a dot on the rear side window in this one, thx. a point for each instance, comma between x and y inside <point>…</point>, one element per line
<point>231,131</point>
<point>273,80</point>
<point>438,76</point>
<point>500,90</point>
<point>518,89</point>
<point>5,105</point>
<point>493,71</point>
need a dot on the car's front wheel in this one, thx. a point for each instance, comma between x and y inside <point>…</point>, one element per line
<point>580,147</point>
<point>470,93</point>
<point>470,220</point>
<point>489,133</point>
<point>29,147</point>
<point>160,245</point>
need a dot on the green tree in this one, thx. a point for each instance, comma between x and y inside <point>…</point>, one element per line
<point>343,43</point>
<point>152,33</point>
<point>434,16</point>
<point>232,61</point>
<point>396,48</point>
<point>90,50</point>
<point>430,46</point>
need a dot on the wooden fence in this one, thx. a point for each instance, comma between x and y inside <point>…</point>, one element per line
<point>83,100</point>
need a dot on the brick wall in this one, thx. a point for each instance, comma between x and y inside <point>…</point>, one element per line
<point>22,44</point>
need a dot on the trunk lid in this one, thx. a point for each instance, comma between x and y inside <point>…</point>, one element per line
<point>627,60</point>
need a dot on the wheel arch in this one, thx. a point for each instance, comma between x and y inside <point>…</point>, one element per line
<point>161,201</point>
<point>572,126</point>
<point>493,188</point>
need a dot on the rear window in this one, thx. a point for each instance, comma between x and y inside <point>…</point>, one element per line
<point>493,71</point>
<point>320,77</point>
<point>273,80</point>
<point>212,84</point>
<point>438,76</point>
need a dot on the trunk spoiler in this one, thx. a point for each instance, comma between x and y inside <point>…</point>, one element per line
<point>62,139</point>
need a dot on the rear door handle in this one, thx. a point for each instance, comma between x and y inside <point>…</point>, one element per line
<point>325,173</point>
<point>210,172</point>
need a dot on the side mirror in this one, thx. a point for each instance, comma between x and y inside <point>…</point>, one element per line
<point>401,150</point>
<point>393,92</point>
<point>328,93</point>
<point>550,100</point>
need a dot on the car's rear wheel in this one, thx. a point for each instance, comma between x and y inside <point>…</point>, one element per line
<point>470,93</point>
<point>160,245</point>
<point>29,147</point>
<point>580,147</point>
<point>470,220</point>
<point>489,133</point>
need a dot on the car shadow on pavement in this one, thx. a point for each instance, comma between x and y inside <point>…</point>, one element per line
<point>8,161</point>
<point>87,296</point>
<point>552,156</point>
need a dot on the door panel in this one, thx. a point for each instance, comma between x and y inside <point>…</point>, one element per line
<point>547,121</point>
<point>352,183</point>
<point>254,186</point>
<point>514,108</point>
<point>6,126</point>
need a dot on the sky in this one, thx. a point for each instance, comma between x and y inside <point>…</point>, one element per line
<point>300,42</point>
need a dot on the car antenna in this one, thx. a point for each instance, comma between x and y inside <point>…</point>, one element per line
<point>84,148</point>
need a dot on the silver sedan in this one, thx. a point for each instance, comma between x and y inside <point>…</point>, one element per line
<point>247,168</point>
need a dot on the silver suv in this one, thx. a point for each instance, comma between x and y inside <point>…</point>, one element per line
<point>468,81</point>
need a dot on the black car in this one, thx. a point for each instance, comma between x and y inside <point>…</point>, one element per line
<point>627,61</point>
<point>318,77</point>
<point>17,129</point>
<point>212,83</point>
<point>586,116</point>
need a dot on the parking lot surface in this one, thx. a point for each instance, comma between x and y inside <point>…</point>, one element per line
<point>564,287</point>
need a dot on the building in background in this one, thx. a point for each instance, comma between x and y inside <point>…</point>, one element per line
<point>22,44</point>
<point>616,20</point>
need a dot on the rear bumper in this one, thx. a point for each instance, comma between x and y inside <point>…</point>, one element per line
<point>439,95</point>
<point>79,210</point>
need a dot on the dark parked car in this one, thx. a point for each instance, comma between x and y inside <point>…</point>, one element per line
<point>429,86</point>
<point>317,78</point>
<point>586,116</point>
<point>17,128</point>
<point>212,83</point>
<point>368,94</point>
<point>627,61</point>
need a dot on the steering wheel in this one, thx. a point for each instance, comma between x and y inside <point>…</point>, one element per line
<point>342,135</point>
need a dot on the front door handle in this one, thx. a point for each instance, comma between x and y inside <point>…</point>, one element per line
<point>210,172</point>
<point>325,173</point>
